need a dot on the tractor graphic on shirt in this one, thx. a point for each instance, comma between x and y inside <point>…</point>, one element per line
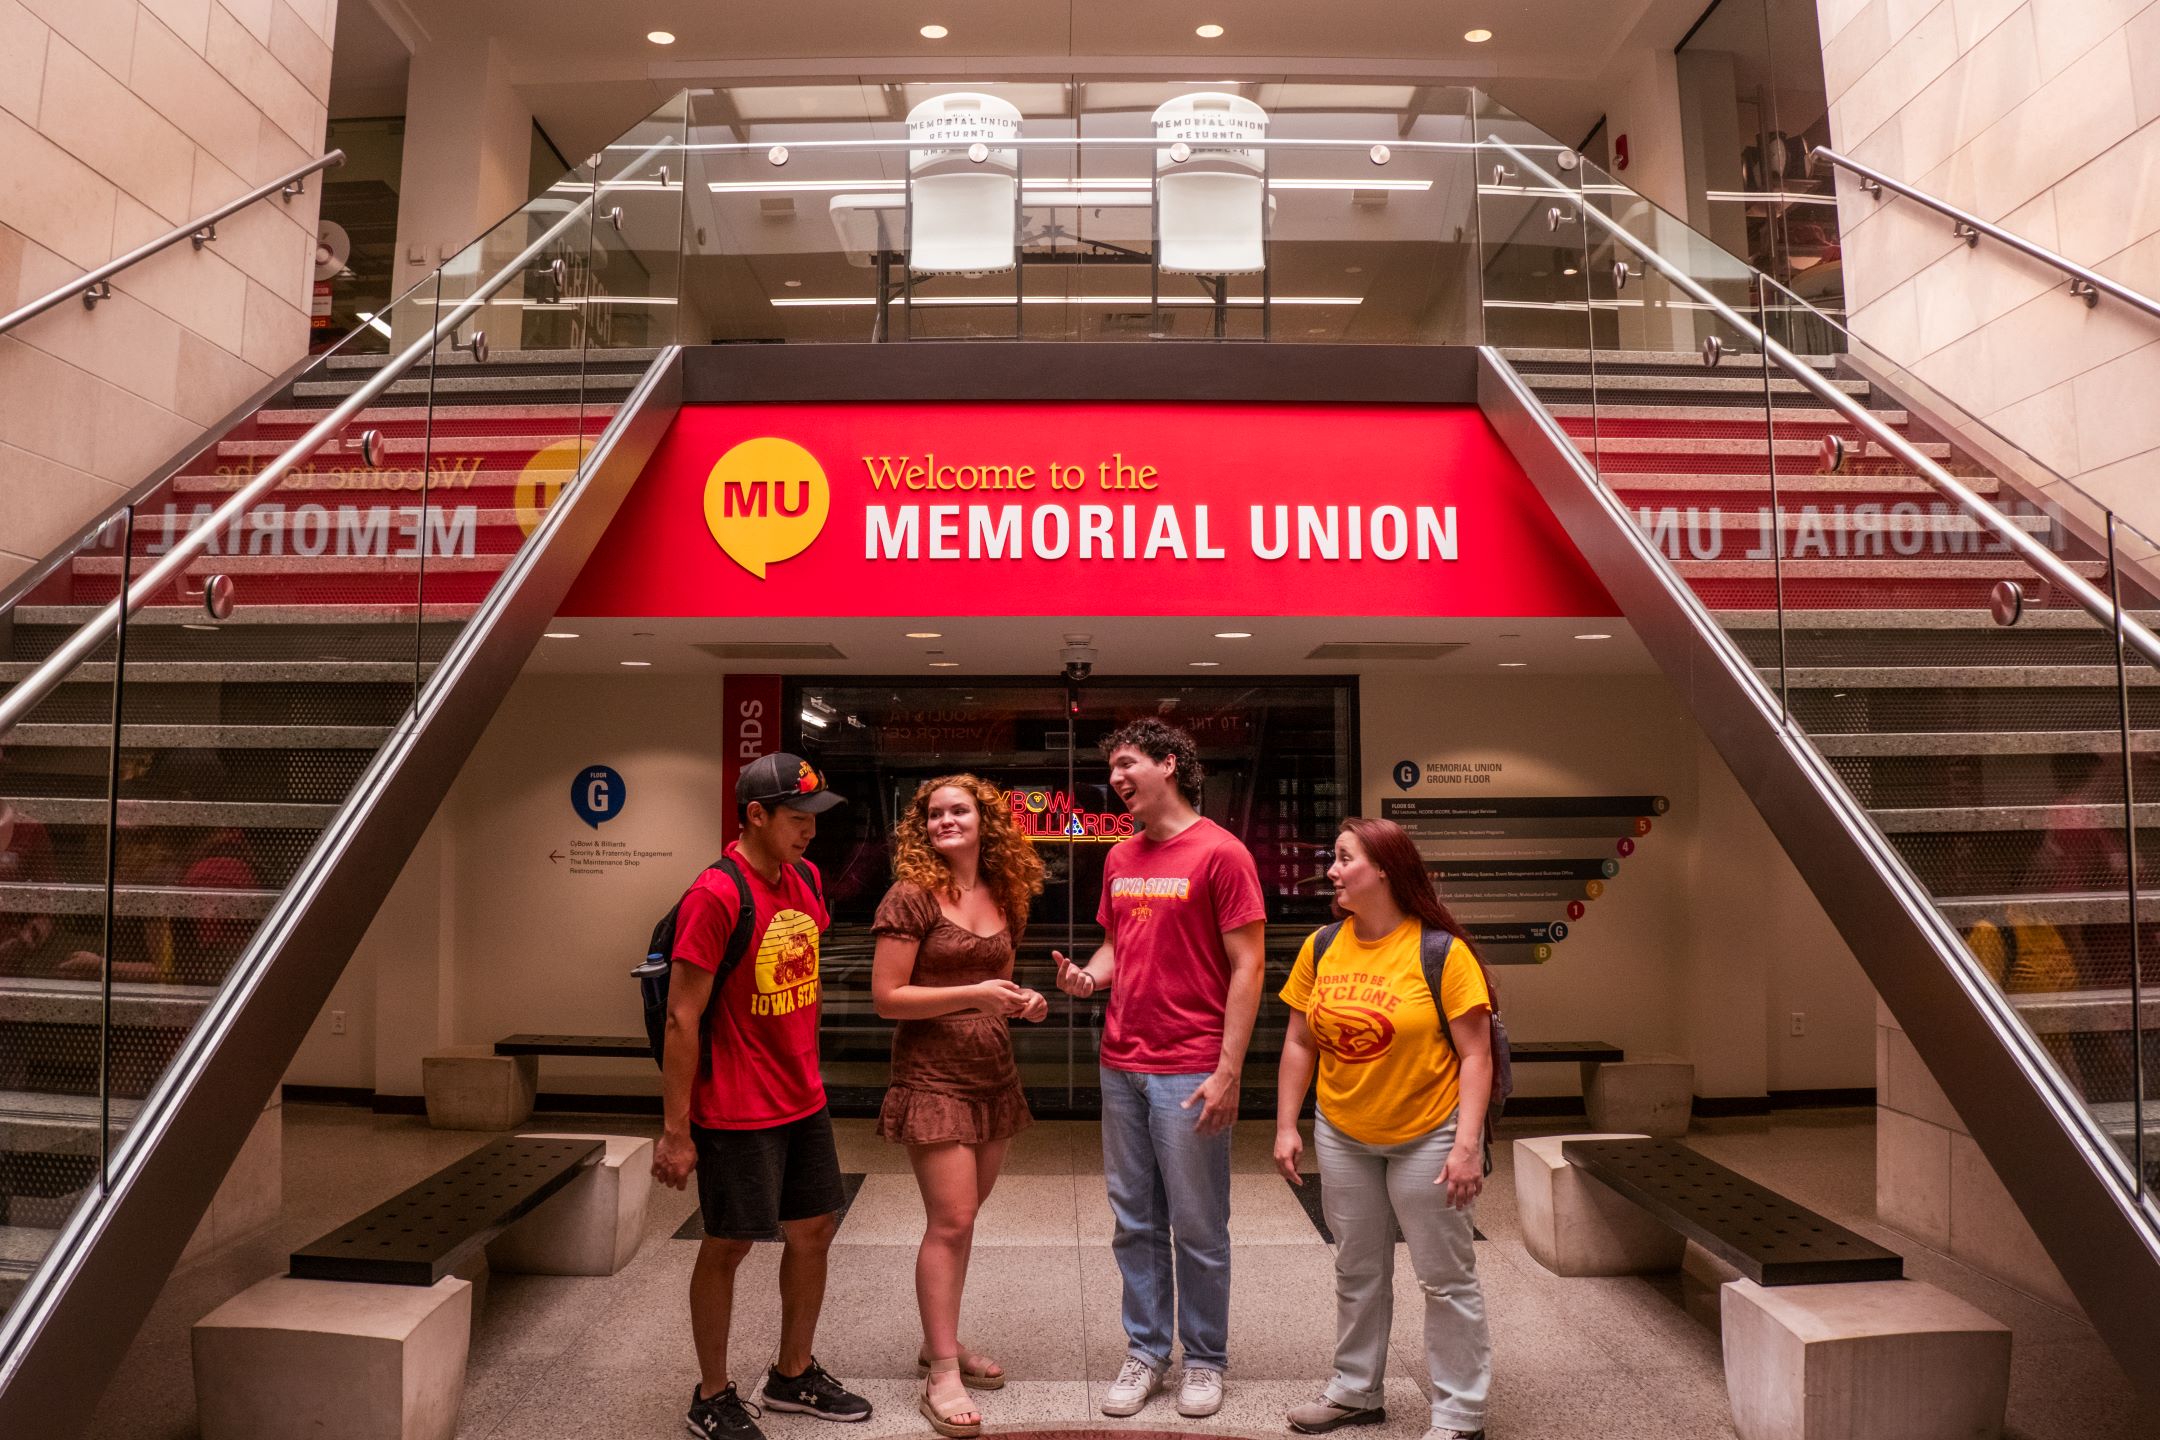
<point>788,955</point>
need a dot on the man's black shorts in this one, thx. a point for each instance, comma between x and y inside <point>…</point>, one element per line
<point>751,1180</point>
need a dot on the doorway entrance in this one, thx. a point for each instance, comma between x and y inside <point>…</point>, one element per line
<point>1280,766</point>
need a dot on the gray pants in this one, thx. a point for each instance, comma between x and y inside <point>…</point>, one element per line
<point>1366,1190</point>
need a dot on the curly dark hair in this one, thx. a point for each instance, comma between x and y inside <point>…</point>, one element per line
<point>1009,865</point>
<point>1159,740</point>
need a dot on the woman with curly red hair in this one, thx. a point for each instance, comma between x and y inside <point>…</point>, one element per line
<point>964,876</point>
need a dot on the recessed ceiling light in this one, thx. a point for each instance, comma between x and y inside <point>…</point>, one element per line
<point>1209,32</point>
<point>944,664</point>
<point>1477,37</point>
<point>792,284</point>
<point>1204,664</point>
<point>1513,664</point>
<point>660,37</point>
<point>562,634</point>
<point>934,32</point>
<point>925,634</point>
<point>638,664</point>
<point>1233,634</point>
<point>1571,270</point>
<point>1594,636</point>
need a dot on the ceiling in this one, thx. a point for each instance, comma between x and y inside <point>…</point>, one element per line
<point>1125,646</point>
<point>588,72</point>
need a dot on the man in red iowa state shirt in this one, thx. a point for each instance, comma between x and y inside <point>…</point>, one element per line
<point>743,1100</point>
<point>1183,918</point>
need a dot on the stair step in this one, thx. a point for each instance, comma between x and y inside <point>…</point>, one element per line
<point>2067,618</point>
<point>1751,445</point>
<point>257,672</point>
<point>197,904</point>
<point>135,1004</point>
<point>326,565</point>
<point>1958,742</point>
<point>1804,482</point>
<point>36,1123</point>
<point>631,358</point>
<point>1969,819</point>
<point>1783,386</point>
<point>2006,567</point>
<point>2083,907</point>
<point>304,417</point>
<point>1962,677</point>
<point>396,445</point>
<point>244,814</point>
<point>1683,360</point>
<point>203,737</point>
<point>462,385</point>
<point>2088,1012</point>
<point>1839,520</point>
<point>1626,412</point>
<point>191,617</point>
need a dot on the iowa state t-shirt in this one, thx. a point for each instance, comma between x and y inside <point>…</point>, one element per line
<point>1387,1074</point>
<point>760,1067</point>
<point>1165,905</point>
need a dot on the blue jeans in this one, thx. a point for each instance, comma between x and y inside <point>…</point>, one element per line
<point>1170,1191</point>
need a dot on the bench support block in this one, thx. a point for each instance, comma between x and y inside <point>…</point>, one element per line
<point>591,1226</point>
<point>1651,1095</point>
<point>333,1360</point>
<point>1574,1225</point>
<point>470,1087</point>
<point>1872,1360</point>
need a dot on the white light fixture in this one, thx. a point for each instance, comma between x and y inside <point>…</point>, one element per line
<point>562,634</point>
<point>934,32</point>
<point>1571,270</point>
<point>1477,37</point>
<point>1203,664</point>
<point>925,634</point>
<point>1513,664</point>
<point>1233,634</point>
<point>638,664</point>
<point>944,664</point>
<point>792,284</point>
<point>1209,32</point>
<point>1594,636</point>
<point>660,37</point>
<point>811,717</point>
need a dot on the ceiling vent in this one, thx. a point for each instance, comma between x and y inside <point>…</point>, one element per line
<point>1385,649</point>
<point>772,650</point>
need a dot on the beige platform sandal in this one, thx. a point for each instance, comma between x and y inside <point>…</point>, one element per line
<point>941,1416</point>
<point>980,1372</point>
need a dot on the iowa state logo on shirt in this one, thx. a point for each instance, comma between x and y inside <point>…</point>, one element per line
<point>1355,1034</point>
<point>787,965</point>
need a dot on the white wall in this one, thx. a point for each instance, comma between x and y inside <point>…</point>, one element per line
<point>2038,115</point>
<point>1707,939</point>
<point>119,120</point>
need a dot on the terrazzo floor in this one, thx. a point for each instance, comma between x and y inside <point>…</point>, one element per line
<point>561,1357</point>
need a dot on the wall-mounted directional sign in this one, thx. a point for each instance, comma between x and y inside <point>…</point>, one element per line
<point>1520,870</point>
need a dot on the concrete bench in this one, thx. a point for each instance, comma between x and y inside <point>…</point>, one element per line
<point>1823,1339</point>
<point>470,1087</point>
<point>368,1334</point>
<point>1650,1095</point>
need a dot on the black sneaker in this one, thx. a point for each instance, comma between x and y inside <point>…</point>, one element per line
<point>813,1393</point>
<point>726,1416</point>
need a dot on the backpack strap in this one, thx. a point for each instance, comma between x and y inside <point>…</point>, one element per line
<point>1434,947</point>
<point>808,874</point>
<point>738,940</point>
<point>1322,939</point>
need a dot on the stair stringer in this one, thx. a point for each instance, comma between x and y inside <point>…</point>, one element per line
<point>108,1265</point>
<point>2058,1169</point>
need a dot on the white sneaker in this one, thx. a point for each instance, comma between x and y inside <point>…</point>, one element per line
<point>1201,1394</point>
<point>1136,1384</point>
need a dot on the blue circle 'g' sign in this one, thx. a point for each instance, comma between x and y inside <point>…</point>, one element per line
<point>1406,773</point>
<point>597,794</point>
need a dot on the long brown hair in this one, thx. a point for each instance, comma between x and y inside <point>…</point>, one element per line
<point>1008,863</point>
<point>1391,850</point>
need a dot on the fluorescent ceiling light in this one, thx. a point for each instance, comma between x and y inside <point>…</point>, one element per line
<point>1477,37</point>
<point>1513,664</point>
<point>925,634</point>
<point>638,664</point>
<point>561,635</point>
<point>1233,634</point>
<point>811,717</point>
<point>934,32</point>
<point>660,37</point>
<point>926,301</point>
<point>1209,32</point>
<point>1203,664</point>
<point>944,664</point>
<point>1594,636</point>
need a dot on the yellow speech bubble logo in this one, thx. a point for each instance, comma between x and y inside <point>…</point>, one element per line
<point>765,501</point>
<point>542,480</point>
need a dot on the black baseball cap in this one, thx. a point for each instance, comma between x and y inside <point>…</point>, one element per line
<point>784,779</point>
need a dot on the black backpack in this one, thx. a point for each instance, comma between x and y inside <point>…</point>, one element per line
<point>658,967</point>
<point>1434,947</point>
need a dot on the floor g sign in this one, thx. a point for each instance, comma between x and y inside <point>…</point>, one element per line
<point>765,501</point>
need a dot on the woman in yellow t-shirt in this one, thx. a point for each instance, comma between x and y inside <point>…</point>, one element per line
<point>1401,1129</point>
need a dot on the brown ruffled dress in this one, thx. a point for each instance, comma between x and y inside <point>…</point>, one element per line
<point>953,1077</point>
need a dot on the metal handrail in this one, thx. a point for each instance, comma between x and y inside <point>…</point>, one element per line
<point>2086,285</point>
<point>23,697</point>
<point>2020,541</point>
<point>202,229</point>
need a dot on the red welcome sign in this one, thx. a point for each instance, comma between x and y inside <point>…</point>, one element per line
<point>1107,509</point>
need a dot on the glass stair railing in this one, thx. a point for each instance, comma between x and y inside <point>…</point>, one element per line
<point>1954,643</point>
<point>204,699</point>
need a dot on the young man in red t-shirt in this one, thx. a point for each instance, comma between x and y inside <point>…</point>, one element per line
<point>744,1101</point>
<point>1183,916</point>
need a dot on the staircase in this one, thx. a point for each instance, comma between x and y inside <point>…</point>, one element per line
<point>1988,756</point>
<point>243,737</point>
